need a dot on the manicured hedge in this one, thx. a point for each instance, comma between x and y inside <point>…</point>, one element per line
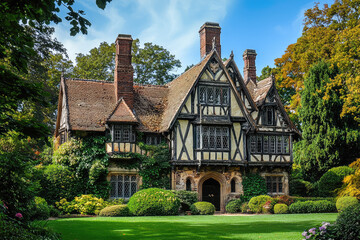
<point>233,206</point>
<point>281,208</point>
<point>256,203</point>
<point>348,223</point>
<point>345,202</point>
<point>304,199</point>
<point>321,206</point>
<point>115,211</point>
<point>202,208</point>
<point>154,202</point>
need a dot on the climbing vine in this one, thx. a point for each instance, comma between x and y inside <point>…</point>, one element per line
<point>153,167</point>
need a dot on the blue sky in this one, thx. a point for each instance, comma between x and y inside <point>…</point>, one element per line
<point>268,26</point>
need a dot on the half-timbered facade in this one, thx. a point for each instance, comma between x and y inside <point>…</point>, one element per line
<point>218,125</point>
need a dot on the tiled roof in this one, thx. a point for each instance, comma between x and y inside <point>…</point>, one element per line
<point>178,90</point>
<point>259,90</point>
<point>122,113</point>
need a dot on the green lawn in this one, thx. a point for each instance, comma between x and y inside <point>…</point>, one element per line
<point>190,227</point>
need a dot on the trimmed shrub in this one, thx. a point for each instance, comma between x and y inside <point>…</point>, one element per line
<point>245,208</point>
<point>281,208</point>
<point>187,198</point>
<point>299,187</point>
<point>202,208</point>
<point>85,205</point>
<point>38,209</point>
<point>234,206</point>
<point>348,223</point>
<point>256,203</point>
<point>345,202</point>
<point>115,211</point>
<point>332,180</point>
<point>253,185</point>
<point>304,199</point>
<point>154,202</point>
<point>321,206</point>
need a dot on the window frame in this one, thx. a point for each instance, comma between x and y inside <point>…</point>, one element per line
<point>119,129</point>
<point>221,92</point>
<point>272,146</point>
<point>219,132</point>
<point>276,181</point>
<point>133,181</point>
<point>269,120</point>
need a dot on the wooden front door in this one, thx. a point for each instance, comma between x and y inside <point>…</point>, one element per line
<point>211,192</point>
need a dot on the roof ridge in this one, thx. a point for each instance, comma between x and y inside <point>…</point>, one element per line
<point>88,80</point>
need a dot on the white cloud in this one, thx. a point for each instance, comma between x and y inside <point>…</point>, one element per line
<point>172,24</point>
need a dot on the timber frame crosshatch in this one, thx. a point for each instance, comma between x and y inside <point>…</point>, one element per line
<point>219,124</point>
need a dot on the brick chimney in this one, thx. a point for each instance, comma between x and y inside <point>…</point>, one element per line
<point>123,76</point>
<point>249,57</point>
<point>207,33</point>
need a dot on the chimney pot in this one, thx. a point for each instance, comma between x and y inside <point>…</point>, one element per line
<point>207,32</point>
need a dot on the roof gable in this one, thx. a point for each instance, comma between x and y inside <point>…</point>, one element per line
<point>122,113</point>
<point>180,88</point>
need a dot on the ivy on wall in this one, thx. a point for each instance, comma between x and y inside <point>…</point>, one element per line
<point>154,167</point>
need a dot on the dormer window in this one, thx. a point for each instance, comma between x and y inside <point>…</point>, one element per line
<point>269,116</point>
<point>123,133</point>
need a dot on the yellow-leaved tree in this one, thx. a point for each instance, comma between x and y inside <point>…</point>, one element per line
<point>352,182</point>
<point>331,34</point>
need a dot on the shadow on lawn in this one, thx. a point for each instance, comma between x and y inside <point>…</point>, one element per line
<point>179,230</point>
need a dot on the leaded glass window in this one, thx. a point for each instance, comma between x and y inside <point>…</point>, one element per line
<point>123,133</point>
<point>269,116</point>
<point>216,96</point>
<point>269,144</point>
<point>123,186</point>
<point>212,137</point>
<point>274,184</point>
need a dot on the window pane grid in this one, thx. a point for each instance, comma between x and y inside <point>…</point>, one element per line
<point>209,137</point>
<point>269,144</point>
<point>122,186</point>
<point>214,95</point>
<point>123,133</point>
<point>274,184</point>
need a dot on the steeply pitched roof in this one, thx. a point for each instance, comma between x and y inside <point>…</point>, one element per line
<point>178,90</point>
<point>122,113</point>
<point>259,90</point>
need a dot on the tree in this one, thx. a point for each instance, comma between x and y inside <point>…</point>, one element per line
<point>351,182</point>
<point>98,64</point>
<point>23,46</point>
<point>332,34</point>
<point>265,73</point>
<point>152,64</point>
<point>327,139</point>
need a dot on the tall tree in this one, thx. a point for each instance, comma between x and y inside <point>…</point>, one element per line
<point>152,64</point>
<point>23,27</point>
<point>327,139</point>
<point>331,33</point>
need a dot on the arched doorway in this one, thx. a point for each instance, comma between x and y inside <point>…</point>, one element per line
<point>211,192</point>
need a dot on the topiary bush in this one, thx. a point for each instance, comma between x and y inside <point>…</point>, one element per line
<point>234,206</point>
<point>154,202</point>
<point>332,180</point>
<point>345,202</point>
<point>281,208</point>
<point>202,208</point>
<point>115,211</point>
<point>253,185</point>
<point>321,206</point>
<point>256,203</point>
<point>348,223</point>
<point>187,198</point>
<point>84,204</point>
